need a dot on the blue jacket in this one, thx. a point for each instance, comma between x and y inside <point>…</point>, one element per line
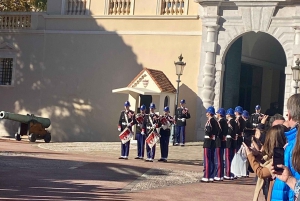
<point>281,191</point>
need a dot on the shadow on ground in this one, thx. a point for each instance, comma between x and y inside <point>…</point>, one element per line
<point>32,178</point>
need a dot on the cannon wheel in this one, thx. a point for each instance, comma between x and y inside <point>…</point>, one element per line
<point>18,137</point>
<point>47,137</point>
<point>32,137</point>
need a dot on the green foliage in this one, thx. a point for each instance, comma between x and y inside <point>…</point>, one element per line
<point>23,5</point>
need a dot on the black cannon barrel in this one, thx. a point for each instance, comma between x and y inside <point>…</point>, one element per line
<point>25,118</point>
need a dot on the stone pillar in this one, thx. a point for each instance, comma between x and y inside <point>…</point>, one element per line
<point>289,82</point>
<point>209,66</point>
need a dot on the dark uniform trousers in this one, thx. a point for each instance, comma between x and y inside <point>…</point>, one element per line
<point>219,160</point>
<point>208,159</point>
<point>164,143</point>
<point>229,153</point>
<point>150,151</point>
<point>230,147</point>
<point>140,144</point>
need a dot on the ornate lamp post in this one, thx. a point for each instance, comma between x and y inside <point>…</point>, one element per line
<point>179,70</point>
<point>296,74</point>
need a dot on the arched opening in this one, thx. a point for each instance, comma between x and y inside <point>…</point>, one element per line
<point>254,73</point>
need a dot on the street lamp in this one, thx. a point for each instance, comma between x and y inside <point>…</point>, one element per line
<point>296,74</point>
<point>179,70</point>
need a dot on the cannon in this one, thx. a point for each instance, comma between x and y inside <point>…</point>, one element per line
<point>32,126</point>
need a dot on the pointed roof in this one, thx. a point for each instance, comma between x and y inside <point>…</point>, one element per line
<point>161,80</point>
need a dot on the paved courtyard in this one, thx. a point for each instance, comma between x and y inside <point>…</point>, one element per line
<point>91,171</point>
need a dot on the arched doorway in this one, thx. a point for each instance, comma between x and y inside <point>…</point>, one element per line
<point>254,73</point>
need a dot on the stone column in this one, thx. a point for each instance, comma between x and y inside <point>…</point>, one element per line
<point>209,66</point>
<point>289,82</point>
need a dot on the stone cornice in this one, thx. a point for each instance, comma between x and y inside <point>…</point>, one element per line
<point>127,17</point>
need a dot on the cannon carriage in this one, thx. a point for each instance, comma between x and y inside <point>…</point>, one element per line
<point>32,126</point>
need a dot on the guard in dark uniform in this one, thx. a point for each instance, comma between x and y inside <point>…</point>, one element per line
<point>151,124</point>
<point>220,145</point>
<point>256,117</point>
<point>165,133</point>
<point>182,114</point>
<point>126,121</point>
<point>140,133</point>
<point>245,116</point>
<point>230,143</point>
<point>211,130</point>
<point>241,125</point>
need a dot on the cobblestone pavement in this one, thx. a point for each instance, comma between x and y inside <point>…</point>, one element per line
<point>91,171</point>
<point>191,153</point>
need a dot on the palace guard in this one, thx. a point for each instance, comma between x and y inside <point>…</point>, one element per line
<point>125,124</point>
<point>152,124</point>
<point>230,143</point>
<point>256,117</point>
<point>220,145</point>
<point>182,114</point>
<point>238,111</point>
<point>166,121</point>
<point>140,132</point>
<point>211,130</point>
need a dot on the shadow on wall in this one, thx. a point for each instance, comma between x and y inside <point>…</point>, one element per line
<point>191,103</point>
<point>69,78</point>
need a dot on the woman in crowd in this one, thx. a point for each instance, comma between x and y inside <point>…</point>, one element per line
<point>261,161</point>
<point>286,175</point>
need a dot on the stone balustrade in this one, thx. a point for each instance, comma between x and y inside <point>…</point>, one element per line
<point>173,7</point>
<point>76,7</point>
<point>15,20</point>
<point>120,7</point>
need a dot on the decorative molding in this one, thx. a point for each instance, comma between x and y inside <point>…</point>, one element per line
<point>140,79</point>
<point>257,18</point>
<point>127,17</point>
<point>7,47</point>
<point>167,33</point>
<point>188,33</point>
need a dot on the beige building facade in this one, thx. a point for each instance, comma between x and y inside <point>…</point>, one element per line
<point>67,61</point>
<point>64,64</point>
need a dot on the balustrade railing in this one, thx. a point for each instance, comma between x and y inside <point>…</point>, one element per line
<point>76,7</point>
<point>120,7</point>
<point>173,7</point>
<point>13,20</point>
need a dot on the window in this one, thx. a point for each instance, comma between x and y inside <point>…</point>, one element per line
<point>166,102</point>
<point>6,69</point>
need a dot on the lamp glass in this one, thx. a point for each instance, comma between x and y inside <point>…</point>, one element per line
<point>296,73</point>
<point>179,68</point>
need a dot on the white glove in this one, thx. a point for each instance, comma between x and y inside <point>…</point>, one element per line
<point>183,119</point>
<point>154,126</point>
<point>143,133</point>
<point>128,124</point>
<point>119,129</point>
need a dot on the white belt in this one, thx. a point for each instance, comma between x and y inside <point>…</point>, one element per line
<point>207,137</point>
<point>149,127</point>
<point>124,123</point>
<point>255,124</point>
<point>228,136</point>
